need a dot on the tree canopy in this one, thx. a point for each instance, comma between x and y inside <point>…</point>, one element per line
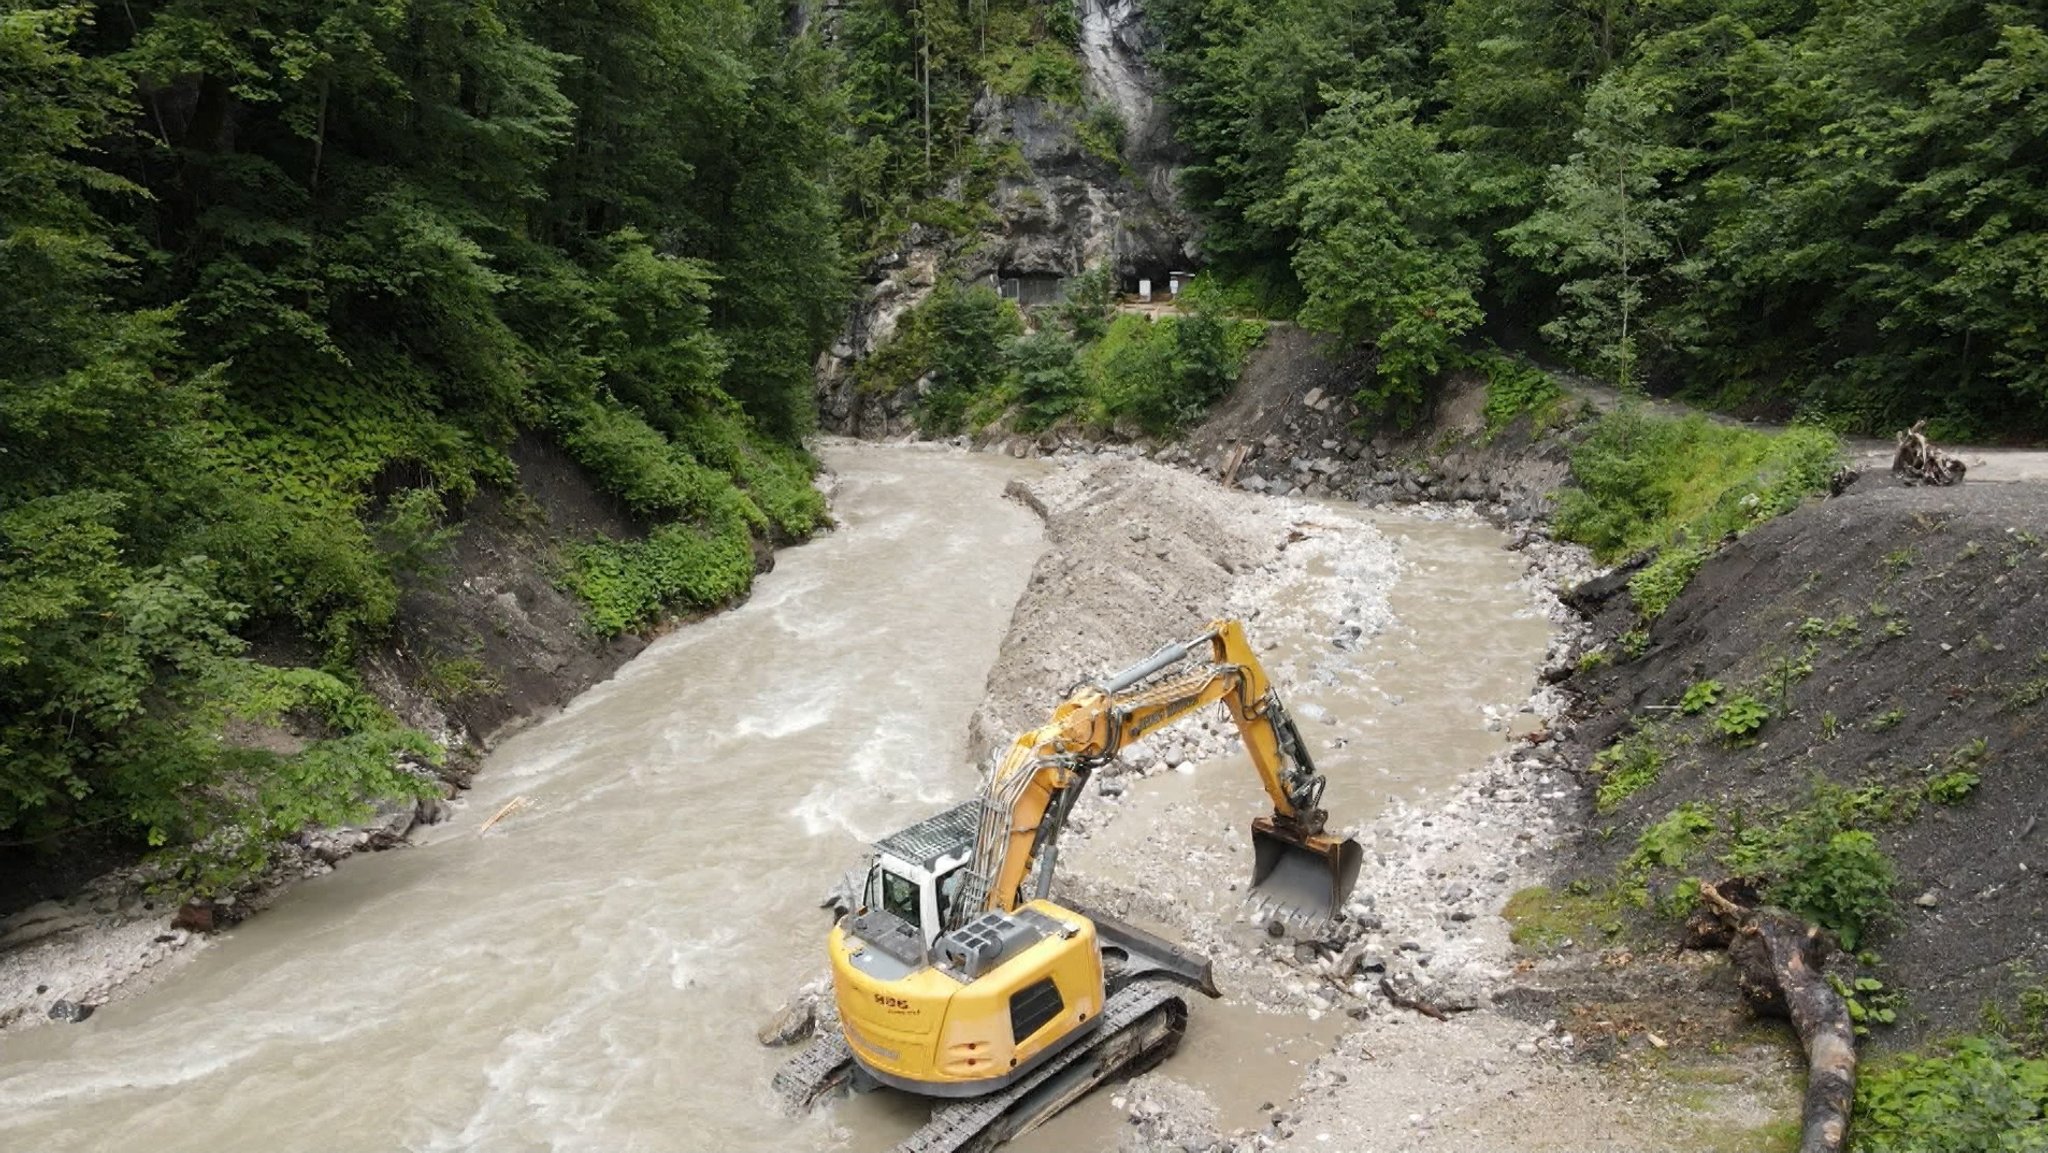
<point>285,280</point>
<point>1825,207</point>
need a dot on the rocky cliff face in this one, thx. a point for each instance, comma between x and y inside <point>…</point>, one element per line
<point>1072,206</point>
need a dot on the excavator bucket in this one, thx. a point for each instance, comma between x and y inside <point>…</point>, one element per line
<point>1302,875</point>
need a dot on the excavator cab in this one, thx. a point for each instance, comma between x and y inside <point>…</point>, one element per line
<point>918,872</point>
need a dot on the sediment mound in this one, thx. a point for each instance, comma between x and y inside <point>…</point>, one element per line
<point>1136,556</point>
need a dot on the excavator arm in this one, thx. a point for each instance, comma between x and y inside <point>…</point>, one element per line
<point>1025,802</point>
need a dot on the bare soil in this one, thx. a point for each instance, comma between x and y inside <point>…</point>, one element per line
<point>1916,625</point>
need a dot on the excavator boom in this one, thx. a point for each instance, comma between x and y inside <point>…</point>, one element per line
<point>1298,869</point>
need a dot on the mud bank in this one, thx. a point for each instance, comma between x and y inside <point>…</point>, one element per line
<point>1898,638</point>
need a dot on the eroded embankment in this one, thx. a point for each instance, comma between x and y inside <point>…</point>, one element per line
<point>1889,649</point>
<point>1138,554</point>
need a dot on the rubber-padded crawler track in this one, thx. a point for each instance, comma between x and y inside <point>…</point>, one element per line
<point>1142,1025</point>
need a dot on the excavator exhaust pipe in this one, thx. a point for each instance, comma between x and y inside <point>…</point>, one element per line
<point>1301,874</point>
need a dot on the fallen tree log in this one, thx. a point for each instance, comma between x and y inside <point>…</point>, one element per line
<point>1402,1001</point>
<point>1778,961</point>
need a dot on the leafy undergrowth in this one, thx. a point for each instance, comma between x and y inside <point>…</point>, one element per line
<point>1979,1093</point>
<point>711,484</point>
<point>969,353</point>
<point>1681,486</point>
<point>1516,389</point>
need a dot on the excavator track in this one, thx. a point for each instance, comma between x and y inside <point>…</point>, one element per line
<point>1141,1026</point>
<point>818,1070</point>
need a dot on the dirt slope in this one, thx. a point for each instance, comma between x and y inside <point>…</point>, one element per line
<point>1136,556</point>
<point>1922,617</point>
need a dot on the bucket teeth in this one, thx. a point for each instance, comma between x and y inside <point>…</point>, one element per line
<point>1300,875</point>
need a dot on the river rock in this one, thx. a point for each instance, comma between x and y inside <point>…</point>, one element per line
<point>70,1011</point>
<point>195,917</point>
<point>389,825</point>
<point>792,1023</point>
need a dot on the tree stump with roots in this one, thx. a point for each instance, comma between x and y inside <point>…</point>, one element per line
<point>1920,462</point>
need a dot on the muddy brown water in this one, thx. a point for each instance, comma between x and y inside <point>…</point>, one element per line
<point>590,973</point>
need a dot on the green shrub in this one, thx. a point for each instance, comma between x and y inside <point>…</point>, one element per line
<point>1248,293</point>
<point>1515,388</point>
<point>2029,693</point>
<point>1741,717</point>
<point>1658,583</point>
<point>1165,374</point>
<point>1643,481</point>
<point>1627,767</point>
<point>628,584</point>
<point>1101,133</point>
<point>1045,378</point>
<point>1952,788</point>
<point>1044,68</point>
<point>1821,860</point>
<point>1869,1002</point>
<point>635,462</point>
<point>1088,305</point>
<point>1699,697</point>
<point>1669,843</point>
<point>956,336</point>
<point>1843,883</point>
<point>1969,1095</point>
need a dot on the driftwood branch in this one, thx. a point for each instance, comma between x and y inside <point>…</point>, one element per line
<point>1778,963</point>
<point>1399,1001</point>
<point>1921,463</point>
<point>1234,462</point>
<point>512,806</point>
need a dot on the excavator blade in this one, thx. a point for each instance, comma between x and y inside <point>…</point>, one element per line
<point>1302,875</point>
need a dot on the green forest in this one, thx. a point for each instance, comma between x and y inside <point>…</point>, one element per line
<point>287,281</point>
<point>1831,209</point>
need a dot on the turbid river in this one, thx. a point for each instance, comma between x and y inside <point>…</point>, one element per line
<point>589,974</point>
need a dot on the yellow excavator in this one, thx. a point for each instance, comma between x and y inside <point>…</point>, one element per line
<point>956,978</point>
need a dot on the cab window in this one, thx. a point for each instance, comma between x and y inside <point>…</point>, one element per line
<point>900,896</point>
<point>949,891</point>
